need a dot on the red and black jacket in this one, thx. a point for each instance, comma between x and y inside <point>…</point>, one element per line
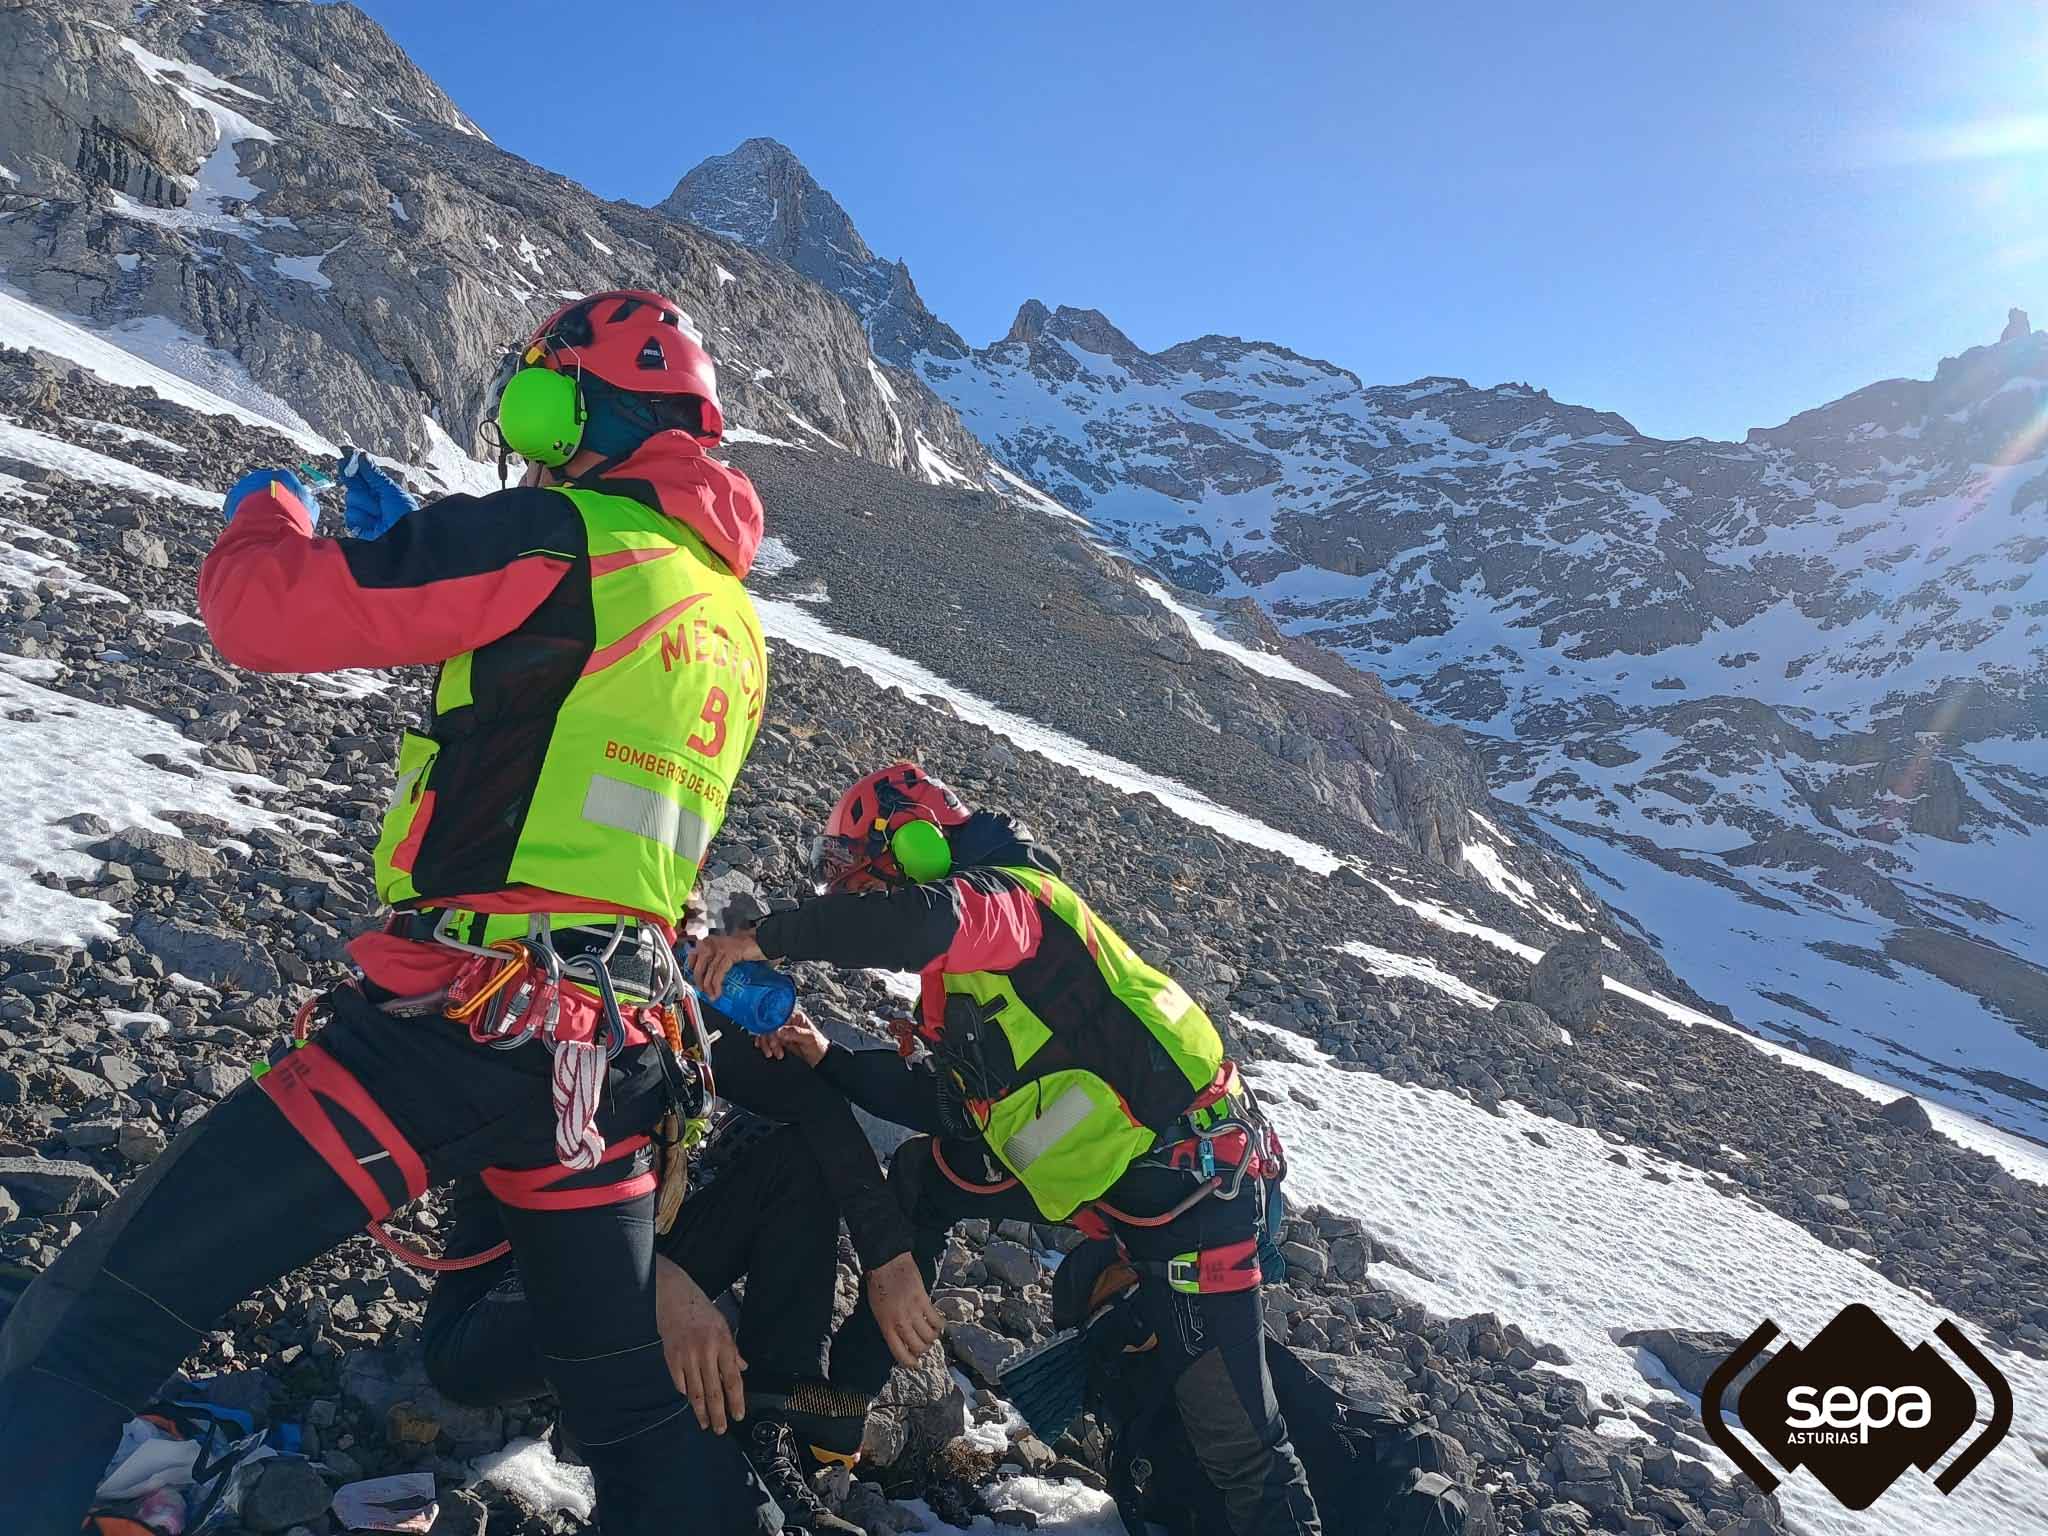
<point>506,576</point>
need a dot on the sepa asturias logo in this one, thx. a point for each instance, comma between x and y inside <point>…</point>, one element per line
<point>1857,1408</point>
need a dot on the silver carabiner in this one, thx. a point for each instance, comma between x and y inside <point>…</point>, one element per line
<point>614,1021</point>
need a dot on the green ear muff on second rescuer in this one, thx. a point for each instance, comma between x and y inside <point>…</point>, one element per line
<point>922,852</point>
<point>541,416</point>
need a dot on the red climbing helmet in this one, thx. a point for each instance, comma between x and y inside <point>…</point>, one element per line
<point>635,341</point>
<point>887,829</point>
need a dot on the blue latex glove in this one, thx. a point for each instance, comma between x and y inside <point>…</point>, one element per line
<point>375,500</point>
<point>258,479</point>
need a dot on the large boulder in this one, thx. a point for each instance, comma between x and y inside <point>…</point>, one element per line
<point>1907,1114</point>
<point>1567,983</point>
<point>1691,1355</point>
<point>53,1186</point>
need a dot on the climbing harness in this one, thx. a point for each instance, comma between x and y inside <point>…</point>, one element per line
<point>507,994</point>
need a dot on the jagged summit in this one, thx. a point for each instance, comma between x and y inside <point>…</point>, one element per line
<point>1029,324</point>
<point>764,197</point>
<point>2017,325</point>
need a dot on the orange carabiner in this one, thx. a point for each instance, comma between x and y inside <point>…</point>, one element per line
<point>516,961</point>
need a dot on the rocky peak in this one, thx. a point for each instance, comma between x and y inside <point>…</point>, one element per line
<point>1091,331</point>
<point>1213,357</point>
<point>1029,324</point>
<point>764,197</point>
<point>2016,325</point>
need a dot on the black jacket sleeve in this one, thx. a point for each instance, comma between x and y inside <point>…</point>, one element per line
<point>900,930</point>
<point>791,1092</point>
<point>886,1086</point>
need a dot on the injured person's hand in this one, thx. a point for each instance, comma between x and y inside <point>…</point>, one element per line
<point>701,1354</point>
<point>896,1295</point>
<point>799,1037</point>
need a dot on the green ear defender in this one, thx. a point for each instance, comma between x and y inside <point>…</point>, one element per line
<point>541,416</point>
<point>922,852</point>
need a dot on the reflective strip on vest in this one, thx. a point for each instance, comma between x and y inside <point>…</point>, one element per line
<point>1041,1135</point>
<point>645,813</point>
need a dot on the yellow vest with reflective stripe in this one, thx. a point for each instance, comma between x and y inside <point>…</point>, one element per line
<point>1068,1134</point>
<point>639,756</point>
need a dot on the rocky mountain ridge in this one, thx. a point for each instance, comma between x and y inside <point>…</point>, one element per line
<point>282,184</point>
<point>206,928</point>
<point>1783,699</point>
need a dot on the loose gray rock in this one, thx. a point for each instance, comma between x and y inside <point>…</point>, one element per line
<point>287,1491</point>
<point>217,959</point>
<point>1691,1355</point>
<point>1908,1114</point>
<point>49,1186</point>
<point>1566,984</point>
<point>1011,1263</point>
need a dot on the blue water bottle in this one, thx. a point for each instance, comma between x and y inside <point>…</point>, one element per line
<point>757,997</point>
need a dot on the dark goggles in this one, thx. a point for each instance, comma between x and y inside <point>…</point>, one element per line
<point>843,863</point>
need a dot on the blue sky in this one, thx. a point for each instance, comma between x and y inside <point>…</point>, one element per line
<point>1704,217</point>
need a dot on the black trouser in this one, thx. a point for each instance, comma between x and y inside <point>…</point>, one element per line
<point>769,1216</point>
<point>1215,1338</point>
<point>243,1197</point>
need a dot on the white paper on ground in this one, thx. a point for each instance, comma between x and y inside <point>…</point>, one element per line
<point>404,1502</point>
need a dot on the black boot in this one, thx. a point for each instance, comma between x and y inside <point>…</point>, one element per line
<point>785,1472</point>
<point>828,1422</point>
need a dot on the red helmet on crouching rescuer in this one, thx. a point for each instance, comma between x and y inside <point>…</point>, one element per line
<point>889,828</point>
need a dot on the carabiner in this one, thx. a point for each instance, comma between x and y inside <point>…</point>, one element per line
<point>614,1021</point>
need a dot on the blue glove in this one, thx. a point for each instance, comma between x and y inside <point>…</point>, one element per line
<point>375,500</point>
<point>260,479</point>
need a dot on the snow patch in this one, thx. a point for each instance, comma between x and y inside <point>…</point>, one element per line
<point>1056,1505</point>
<point>70,756</point>
<point>936,466</point>
<point>129,434</point>
<point>1386,962</point>
<point>749,435</point>
<point>792,624</point>
<point>528,1472</point>
<point>306,269</point>
<point>449,469</point>
<point>85,464</point>
<point>1573,1248</point>
<point>156,355</point>
<point>774,558</point>
<point>1209,638</point>
<point>1033,494</point>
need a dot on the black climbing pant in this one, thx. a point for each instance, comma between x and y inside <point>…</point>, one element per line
<point>243,1197</point>
<point>1214,1339</point>
<point>770,1216</point>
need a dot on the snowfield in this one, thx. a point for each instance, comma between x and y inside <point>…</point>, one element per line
<point>1526,1217</point>
<point>68,757</point>
<point>1209,638</point>
<point>156,355</point>
<point>84,464</point>
<point>794,624</point>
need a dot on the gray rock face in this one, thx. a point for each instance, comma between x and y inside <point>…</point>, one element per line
<point>761,196</point>
<point>283,185</point>
<point>1566,984</point>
